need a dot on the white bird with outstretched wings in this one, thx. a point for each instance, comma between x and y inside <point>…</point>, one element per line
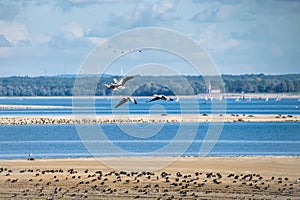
<point>118,84</point>
<point>161,97</point>
<point>124,100</point>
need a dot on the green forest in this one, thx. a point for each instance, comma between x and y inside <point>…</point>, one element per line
<point>148,85</point>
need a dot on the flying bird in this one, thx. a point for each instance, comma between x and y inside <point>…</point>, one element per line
<point>161,97</point>
<point>124,100</point>
<point>118,84</point>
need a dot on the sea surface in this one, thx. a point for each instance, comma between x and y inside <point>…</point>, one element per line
<point>173,139</point>
<point>105,106</point>
<point>63,141</point>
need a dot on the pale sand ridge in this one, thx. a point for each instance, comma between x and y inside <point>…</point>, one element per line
<point>111,119</point>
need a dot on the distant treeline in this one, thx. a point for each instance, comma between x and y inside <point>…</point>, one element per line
<point>148,85</point>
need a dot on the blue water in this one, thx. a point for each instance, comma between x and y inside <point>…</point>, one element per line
<point>104,106</point>
<point>63,141</point>
<point>236,139</point>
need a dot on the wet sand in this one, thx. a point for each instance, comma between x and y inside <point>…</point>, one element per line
<point>187,178</point>
<point>111,119</point>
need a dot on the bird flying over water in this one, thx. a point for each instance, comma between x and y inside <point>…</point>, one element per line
<point>161,97</point>
<point>118,84</point>
<point>124,100</point>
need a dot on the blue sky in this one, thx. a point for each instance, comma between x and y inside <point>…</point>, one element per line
<point>50,37</point>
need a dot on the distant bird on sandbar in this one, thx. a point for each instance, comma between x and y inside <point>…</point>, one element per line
<point>161,97</point>
<point>118,84</point>
<point>124,100</point>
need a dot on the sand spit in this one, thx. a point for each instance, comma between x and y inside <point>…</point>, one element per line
<point>3,107</point>
<point>187,178</point>
<point>111,119</point>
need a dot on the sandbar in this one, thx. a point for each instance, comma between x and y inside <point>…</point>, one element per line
<point>186,178</point>
<point>118,119</point>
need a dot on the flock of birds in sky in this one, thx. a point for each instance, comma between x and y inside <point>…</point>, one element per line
<point>119,85</point>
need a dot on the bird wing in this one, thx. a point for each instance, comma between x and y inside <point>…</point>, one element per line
<point>111,87</point>
<point>132,100</point>
<point>105,85</point>
<point>116,80</point>
<point>154,99</point>
<point>124,100</point>
<point>124,80</point>
<point>163,97</point>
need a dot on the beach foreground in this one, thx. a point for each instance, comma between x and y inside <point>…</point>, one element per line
<point>187,178</point>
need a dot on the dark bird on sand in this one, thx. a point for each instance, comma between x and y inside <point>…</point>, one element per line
<point>124,100</point>
<point>118,84</point>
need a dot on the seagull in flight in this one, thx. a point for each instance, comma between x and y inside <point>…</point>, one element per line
<point>161,97</point>
<point>124,100</point>
<point>118,84</point>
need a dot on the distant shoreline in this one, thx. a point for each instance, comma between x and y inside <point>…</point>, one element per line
<point>203,95</point>
<point>140,85</point>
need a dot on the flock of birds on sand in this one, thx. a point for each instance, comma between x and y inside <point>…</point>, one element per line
<point>34,183</point>
<point>119,85</point>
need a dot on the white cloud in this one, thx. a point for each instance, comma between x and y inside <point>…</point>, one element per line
<point>14,32</point>
<point>143,14</point>
<point>70,40</point>
<point>224,12</point>
<point>4,42</point>
<point>162,7</point>
<point>234,32</point>
<point>66,5</point>
<point>227,12</point>
<point>205,15</point>
<point>214,39</point>
<point>92,1</point>
<point>96,40</point>
<point>72,30</point>
<point>103,30</point>
<point>40,39</point>
<point>61,43</point>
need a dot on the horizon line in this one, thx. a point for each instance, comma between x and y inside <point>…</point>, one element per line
<point>112,75</point>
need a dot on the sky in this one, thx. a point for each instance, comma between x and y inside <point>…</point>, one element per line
<point>51,37</point>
